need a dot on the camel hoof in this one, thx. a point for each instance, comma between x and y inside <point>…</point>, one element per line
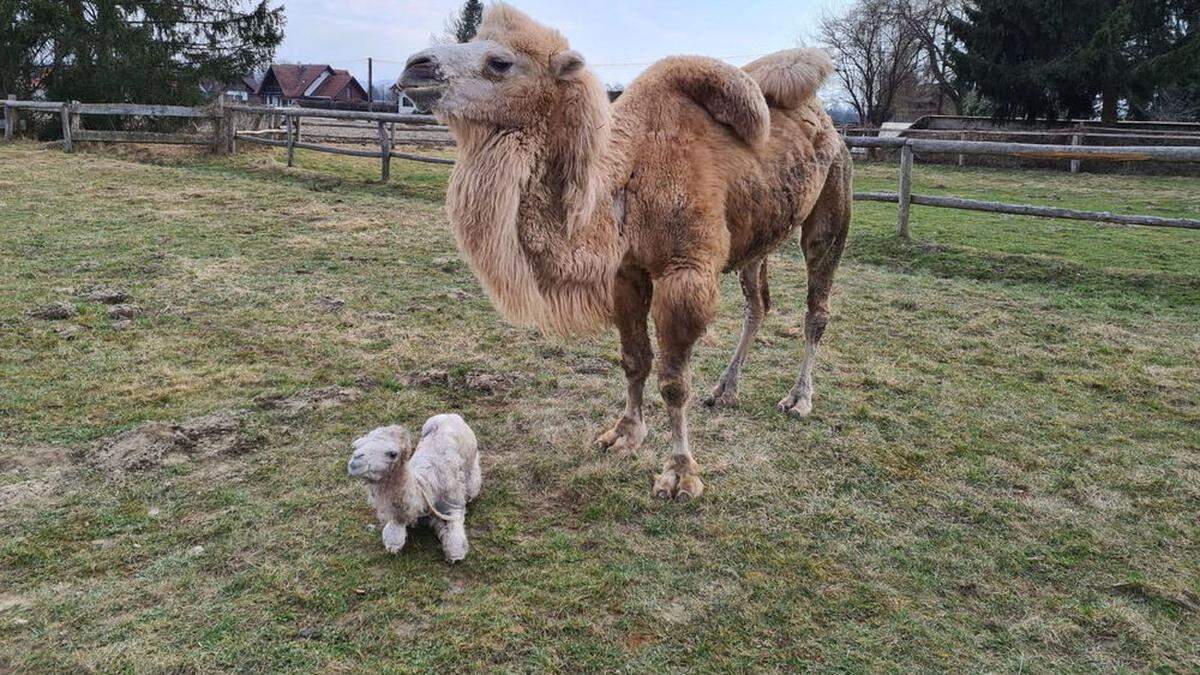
<point>670,486</point>
<point>722,400</point>
<point>690,487</point>
<point>665,484</point>
<point>796,407</point>
<point>625,436</point>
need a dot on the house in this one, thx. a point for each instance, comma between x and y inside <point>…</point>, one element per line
<point>239,90</point>
<point>289,83</point>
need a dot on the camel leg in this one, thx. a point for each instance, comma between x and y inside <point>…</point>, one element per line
<point>631,297</point>
<point>684,303</point>
<point>823,238</point>
<point>754,288</point>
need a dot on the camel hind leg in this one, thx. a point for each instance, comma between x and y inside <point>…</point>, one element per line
<point>754,287</point>
<point>823,237</point>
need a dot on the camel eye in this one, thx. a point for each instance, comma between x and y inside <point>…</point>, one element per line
<point>393,454</point>
<point>499,65</point>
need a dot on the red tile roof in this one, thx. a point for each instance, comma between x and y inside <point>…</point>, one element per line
<point>295,78</point>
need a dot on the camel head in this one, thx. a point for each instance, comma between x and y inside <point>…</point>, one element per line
<point>376,453</point>
<point>511,75</point>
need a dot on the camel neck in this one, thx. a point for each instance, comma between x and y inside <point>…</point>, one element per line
<point>537,225</point>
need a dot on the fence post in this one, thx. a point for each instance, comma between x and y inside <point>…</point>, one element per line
<point>962,159</point>
<point>291,140</point>
<point>1077,139</point>
<point>296,123</point>
<point>65,116</point>
<point>905,201</point>
<point>385,152</point>
<point>76,121</point>
<point>229,125</point>
<point>10,119</point>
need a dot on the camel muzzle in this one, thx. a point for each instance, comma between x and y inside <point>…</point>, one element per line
<point>423,80</point>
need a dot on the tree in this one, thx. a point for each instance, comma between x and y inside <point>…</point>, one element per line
<point>876,57</point>
<point>1022,55</point>
<point>148,51</point>
<point>1036,59</point>
<point>928,22</point>
<point>463,27</point>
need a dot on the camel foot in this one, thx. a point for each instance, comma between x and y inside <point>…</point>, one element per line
<point>625,436</point>
<point>722,396</point>
<point>670,485</point>
<point>796,406</point>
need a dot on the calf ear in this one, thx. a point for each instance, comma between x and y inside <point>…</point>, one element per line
<point>400,436</point>
<point>567,65</point>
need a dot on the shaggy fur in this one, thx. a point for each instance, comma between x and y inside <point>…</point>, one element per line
<point>574,213</point>
<point>435,481</point>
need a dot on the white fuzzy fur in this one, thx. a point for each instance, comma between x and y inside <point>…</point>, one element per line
<point>442,472</point>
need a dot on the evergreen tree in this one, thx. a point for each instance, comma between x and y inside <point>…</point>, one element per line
<point>144,51</point>
<point>1021,55</point>
<point>1033,58</point>
<point>464,26</point>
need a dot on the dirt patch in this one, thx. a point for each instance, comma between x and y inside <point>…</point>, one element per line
<point>105,295</point>
<point>54,311</point>
<point>479,381</point>
<point>31,456</point>
<point>162,444</point>
<point>330,303</point>
<point>312,399</point>
<point>124,311</point>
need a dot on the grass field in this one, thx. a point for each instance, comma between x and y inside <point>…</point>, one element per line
<point>1002,472</point>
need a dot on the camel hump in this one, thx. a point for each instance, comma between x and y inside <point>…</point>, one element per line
<point>729,95</point>
<point>792,76</point>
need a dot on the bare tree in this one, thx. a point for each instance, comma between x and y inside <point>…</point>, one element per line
<point>927,22</point>
<point>876,56</point>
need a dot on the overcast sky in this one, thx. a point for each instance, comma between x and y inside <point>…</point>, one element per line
<point>609,33</point>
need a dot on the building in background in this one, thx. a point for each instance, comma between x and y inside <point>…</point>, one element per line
<point>290,83</point>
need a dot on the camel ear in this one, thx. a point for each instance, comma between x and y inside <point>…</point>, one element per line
<point>567,65</point>
<point>402,438</point>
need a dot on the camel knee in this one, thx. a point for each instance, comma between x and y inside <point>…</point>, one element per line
<point>814,325</point>
<point>675,391</point>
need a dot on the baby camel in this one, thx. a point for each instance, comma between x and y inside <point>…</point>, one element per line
<point>434,482</point>
<point>574,213</point>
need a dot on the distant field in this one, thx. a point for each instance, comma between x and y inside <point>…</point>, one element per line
<point>1002,472</point>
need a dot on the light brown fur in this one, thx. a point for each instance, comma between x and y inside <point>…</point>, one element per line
<point>574,213</point>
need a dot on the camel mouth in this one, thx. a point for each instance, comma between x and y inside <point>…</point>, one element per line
<point>425,95</point>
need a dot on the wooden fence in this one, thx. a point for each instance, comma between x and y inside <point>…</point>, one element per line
<point>908,147</point>
<point>227,119</point>
<point>292,118</point>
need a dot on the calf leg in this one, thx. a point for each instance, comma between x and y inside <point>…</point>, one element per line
<point>684,302</point>
<point>453,535</point>
<point>823,238</point>
<point>631,298</point>
<point>754,288</point>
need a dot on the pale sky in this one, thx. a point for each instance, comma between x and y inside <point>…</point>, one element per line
<point>609,33</point>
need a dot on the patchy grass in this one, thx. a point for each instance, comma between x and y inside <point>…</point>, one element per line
<point>1001,472</point>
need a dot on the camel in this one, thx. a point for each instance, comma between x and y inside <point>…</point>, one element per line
<point>575,213</point>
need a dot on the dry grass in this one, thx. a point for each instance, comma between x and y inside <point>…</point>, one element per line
<point>1001,472</point>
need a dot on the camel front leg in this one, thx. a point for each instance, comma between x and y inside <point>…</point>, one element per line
<point>754,288</point>
<point>632,306</point>
<point>684,303</point>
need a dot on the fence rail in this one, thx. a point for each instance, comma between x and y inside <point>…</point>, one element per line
<point>905,198</point>
<point>227,118</point>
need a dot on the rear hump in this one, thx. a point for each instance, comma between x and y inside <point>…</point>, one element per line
<point>791,77</point>
<point>729,95</point>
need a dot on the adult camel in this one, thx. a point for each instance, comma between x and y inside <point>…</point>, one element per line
<point>576,213</point>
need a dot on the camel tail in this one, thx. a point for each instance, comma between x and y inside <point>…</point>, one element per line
<point>791,77</point>
<point>729,95</point>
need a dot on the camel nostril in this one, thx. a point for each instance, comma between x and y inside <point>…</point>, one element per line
<point>421,70</point>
